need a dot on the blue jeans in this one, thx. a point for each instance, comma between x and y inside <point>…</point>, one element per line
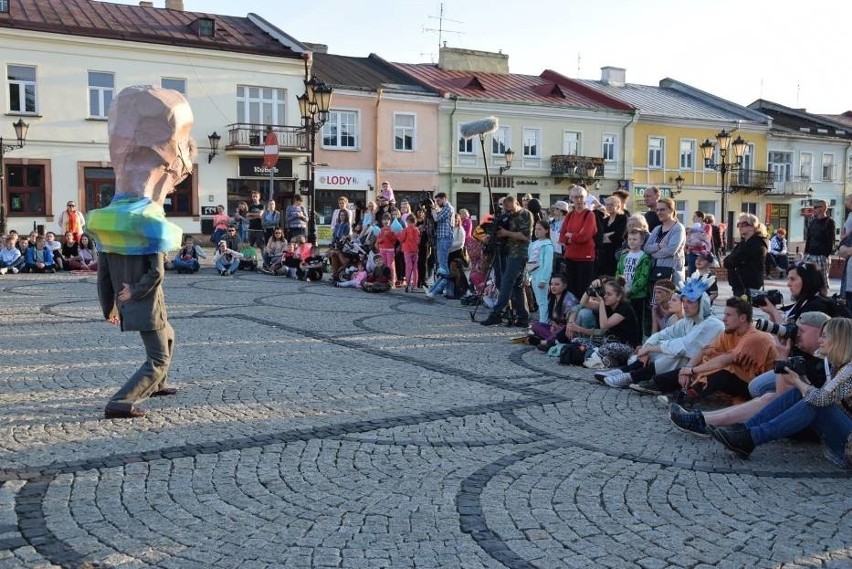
<point>230,267</point>
<point>789,413</point>
<point>191,265</point>
<point>512,288</point>
<point>762,384</point>
<point>443,245</point>
<point>441,284</point>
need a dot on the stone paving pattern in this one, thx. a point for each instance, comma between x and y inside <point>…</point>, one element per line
<point>324,427</point>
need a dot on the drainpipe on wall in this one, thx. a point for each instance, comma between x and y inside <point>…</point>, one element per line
<point>376,182</point>
<point>632,122</point>
<point>452,145</point>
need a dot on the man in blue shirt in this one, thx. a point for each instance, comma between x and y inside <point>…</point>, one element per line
<point>443,214</point>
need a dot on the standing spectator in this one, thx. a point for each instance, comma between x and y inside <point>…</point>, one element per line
<point>540,267</point>
<point>516,233</point>
<point>634,266</point>
<point>72,220</point>
<point>410,245</point>
<point>665,243</point>
<point>624,197</point>
<point>778,253</point>
<point>443,214</point>
<point>577,237</point>
<point>270,220</point>
<point>614,233</point>
<point>241,221</point>
<point>426,252</point>
<point>255,221</point>
<point>221,221</point>
<point>819,242</point>
<point>746,261</point>
<point>386,242</point>
<point>558,211</point>
<point>716,236</point>
<point>847,225</point>
<point>652,195</point>
<point>466,224</point>
<point>534,207</point>
<point>296,219</point>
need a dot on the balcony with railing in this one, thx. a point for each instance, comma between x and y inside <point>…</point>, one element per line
<point>795,186</point>
<point>246,136</point>
<point>747,181</point>
<point>576,167</point>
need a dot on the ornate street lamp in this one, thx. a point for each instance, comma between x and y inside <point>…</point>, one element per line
<point>21,129</point>
<point>510,156</point>
<point>213,139</point>
<point>313,107</point>
<point>726,164</point>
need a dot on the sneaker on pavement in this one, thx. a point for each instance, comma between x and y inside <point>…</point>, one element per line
<point>492,320</point>
<point>15,270</point>
<point>690,422</point>
<point>600,375</point>
<point>648,386</point>
<point>3,271</point>
<point>619,380</point>
<point>736,438</point>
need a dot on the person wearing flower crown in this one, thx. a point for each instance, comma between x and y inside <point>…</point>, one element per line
<point>665,352</point>
<point>151,152</point>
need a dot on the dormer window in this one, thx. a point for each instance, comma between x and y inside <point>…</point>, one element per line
<point>206,27</point>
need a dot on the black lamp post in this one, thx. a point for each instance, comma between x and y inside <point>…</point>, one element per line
<point>21,129</point>
<point>510,157</point>
<point>213,139</point>
<point>678,185</point>
<point>313,106</point>
<point>724,166</point>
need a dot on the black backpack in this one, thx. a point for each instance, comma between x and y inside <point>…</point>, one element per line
<point>572,354</point>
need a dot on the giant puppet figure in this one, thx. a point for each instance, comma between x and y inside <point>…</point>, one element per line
<point>151,153</point>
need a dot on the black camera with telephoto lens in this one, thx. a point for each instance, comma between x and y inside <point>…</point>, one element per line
<point>781,330</point>
<point>794,363</point>
<point>759,298</point>
<point>597,291</point>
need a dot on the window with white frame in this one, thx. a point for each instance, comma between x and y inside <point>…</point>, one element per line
<point>260,105</point>
<point>174,83</point>
<point>22,88</point>
<point>532,143</point>
<point>749,207</point>
<point>806,165</point>
<point>340,132</point>
<point>501,141</point>
<point>827,167</point>
<point>707,207</point>
<point>571,142</point>
<point>465,144</point>
<point>781,163</point>
<point>101,90</point>
<point>655,152</point>
<point>609,147</point>
<point>687,154</point>
<point>4,6</point>
<point>404,127</point>
<point>680,210</point>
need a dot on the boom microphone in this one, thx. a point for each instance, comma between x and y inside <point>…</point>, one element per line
<point>478,128</point>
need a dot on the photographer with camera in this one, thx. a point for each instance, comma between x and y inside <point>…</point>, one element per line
<point>799,354</point>
<point>827,409</point>
<point>746,261</point>
<point>806,283</point>
<point>512,280</point>
<point>443,214</point>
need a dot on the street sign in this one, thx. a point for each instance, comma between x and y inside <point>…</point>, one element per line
<point>270,150</point>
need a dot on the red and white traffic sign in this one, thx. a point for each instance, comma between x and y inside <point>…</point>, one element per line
<point>270,150</point>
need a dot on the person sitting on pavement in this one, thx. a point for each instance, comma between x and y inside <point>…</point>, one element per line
<point>826,409</point>
<point>226,260</point>
<point>39,259</point>
<point>806,284</point>
<point>726,366</point>
<point>87,256</point>
<point>275,247</point>
<point>765,387</point>
<point>671,348</point>
<point>56,248</point>
<point>69,249</point>
<point>778,253</point>
<point>186,260</point>
<point>11,259</point>
<point>379,279</point>
<point>704,264</point>
<point>560,305</point>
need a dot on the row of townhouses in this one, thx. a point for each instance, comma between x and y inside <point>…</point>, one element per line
<point>65,60</point>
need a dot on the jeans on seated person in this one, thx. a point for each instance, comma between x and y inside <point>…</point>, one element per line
<point>190,265</point>
<point>443,284</point>
<point>762,384</point>
<point>230,267</point>
<point>587,318</point>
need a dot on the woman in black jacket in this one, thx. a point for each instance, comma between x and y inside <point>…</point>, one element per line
<point>745,263</point>
<point>805,283</point>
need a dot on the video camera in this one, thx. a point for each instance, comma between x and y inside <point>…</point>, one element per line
<point>781,330</point>
<point>759,298</point>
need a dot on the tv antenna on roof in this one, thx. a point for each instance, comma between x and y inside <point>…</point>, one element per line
<point>440,29</point>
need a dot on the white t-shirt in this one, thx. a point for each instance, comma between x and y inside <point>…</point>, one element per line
<point>631,261</point>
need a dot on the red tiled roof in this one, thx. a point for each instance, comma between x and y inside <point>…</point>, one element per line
<point>140,24</point>
<point>549,88</point>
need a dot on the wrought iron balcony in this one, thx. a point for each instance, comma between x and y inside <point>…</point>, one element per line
<point>795,186</point>
<point>575,167</point>
<point>747,181</point>
<point>246,136</point>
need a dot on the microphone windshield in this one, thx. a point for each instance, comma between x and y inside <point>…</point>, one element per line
<point>482,126</point>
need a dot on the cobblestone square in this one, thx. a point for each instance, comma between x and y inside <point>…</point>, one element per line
<point>324,427</point>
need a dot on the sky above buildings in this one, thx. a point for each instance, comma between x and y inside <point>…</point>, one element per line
<point>739,50</point>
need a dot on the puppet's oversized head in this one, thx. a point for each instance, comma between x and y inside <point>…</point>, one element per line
<point>149,141</point>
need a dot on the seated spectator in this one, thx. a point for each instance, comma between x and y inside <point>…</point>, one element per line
<point>39,259</point>
<point>826,409</point>
<point>615,317</point>
<point>69,249</point>
<point>805,282</point>
<point>663,312</point>
<point>560,305</point>
<point>353,279</point>
<point>342,229</point>
<point>187,258</point>
<point>24,245</point>
<point>764,388</point>
<point>379,279</point>
<point>703,265</point>
<point>725,367</point>
<point>778,253</point>
<point>87,256</point>
<point>275,247</point>
<point>11,259</point>
<point>226,260</point>
<point>56,248</point>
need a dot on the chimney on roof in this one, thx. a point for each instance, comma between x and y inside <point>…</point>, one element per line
<point>146,4</point>
<point>176,5</point>
<point>614,76</point>
<point>456,59</point>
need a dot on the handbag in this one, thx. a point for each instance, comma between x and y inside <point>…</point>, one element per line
<point>660,274</point>
<point>572,354</point>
